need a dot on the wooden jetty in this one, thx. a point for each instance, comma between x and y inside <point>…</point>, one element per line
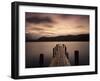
<point>60,56</point>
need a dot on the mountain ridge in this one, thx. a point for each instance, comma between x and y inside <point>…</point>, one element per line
<point>80,37</point>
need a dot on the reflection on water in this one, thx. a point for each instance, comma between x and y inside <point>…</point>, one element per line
<point>34,49</point>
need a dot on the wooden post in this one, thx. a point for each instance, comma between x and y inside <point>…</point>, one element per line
<point>66,53</point>
<point>41,60</point>
<point>53,52</point>
<point>76,57</point>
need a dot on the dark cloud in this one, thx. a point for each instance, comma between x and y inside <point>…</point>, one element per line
<point>30,14</point>
<point>85,19</point>
<point>68,16</point>
<point>64,15</point>
<point>39,20</point>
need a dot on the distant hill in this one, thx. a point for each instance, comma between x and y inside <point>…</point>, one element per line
<point>81,37</point>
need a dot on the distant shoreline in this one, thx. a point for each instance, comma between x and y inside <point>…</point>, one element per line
<point>68,38</point>
<point>57,41</point>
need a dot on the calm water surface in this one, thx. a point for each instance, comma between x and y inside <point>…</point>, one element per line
<point>34,49</point>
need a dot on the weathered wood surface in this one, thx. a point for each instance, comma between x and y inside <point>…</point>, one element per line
<point>60,56</point>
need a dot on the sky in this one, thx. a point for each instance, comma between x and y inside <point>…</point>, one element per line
<point>49,25</point>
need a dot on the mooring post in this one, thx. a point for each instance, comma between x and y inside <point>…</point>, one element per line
<point>53,52</point>
<point>66,53</point>
<point>76,53</point>
<point>41,60</point>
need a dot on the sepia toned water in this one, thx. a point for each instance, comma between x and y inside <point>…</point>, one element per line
<point>34,49</point>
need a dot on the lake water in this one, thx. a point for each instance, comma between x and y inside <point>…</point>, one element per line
<point>34,49</point>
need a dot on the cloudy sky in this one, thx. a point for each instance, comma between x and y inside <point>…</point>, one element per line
<point>46,24</point>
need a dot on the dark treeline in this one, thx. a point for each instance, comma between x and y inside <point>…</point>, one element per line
<point>81,37</point>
